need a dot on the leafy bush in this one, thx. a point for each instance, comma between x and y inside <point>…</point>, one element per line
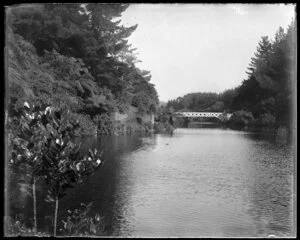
<point>86,125</point>
<point>16,227</point>
<point>104,123</point>
<point>141,101</point>
<point>241,118</point>
<point>266,119</point>
<point>78,223</point>
<point>178,122</point>
<point>43,142</point>
<point>165,127</point>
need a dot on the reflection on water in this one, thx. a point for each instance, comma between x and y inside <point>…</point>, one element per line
<point>205,182</point>
<point>271,190</point>
<point>204,125</point>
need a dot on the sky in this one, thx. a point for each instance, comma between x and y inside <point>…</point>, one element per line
<point>200,47</point>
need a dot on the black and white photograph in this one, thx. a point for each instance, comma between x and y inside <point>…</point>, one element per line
<point>161,120</point>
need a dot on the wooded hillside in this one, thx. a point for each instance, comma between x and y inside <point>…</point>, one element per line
<point>75,56</point>
<point>269,91</point>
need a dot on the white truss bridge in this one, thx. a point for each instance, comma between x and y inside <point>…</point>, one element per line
<point>219,115</point>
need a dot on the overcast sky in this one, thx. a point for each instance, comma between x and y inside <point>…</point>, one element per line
<point>200,47</point>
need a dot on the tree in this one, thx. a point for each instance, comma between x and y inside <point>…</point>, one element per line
<point>44,142</point>
<point>194,101</point>
<point>268,90</point>
<point>227,97</point>
<point>62,165</point>
<point>261,56</point>
<point>91,33</point>
<point>28,146</point>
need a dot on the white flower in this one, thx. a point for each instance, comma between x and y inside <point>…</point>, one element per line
<point>26,104</point>
<point>30,116</point>
<point>78,166</point>
<point>90,159</point>
<point>98,161</point>
<point>28,154</point>
<point>12,161</point>
<point>57,141</point>
<point>48,109</point>
<point>65,223</point>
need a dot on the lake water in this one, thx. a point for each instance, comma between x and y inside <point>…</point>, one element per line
<point>201,182</point>
<point>198,182</point>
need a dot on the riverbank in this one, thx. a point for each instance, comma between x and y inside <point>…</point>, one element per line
<point>128,122</point>
<point>279,133</point>
<point>163,127</point>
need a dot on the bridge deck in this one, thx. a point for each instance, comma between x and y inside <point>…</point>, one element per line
<point>199,114</point>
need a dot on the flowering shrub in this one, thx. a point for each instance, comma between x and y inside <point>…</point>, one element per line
<point>242,118</point>
<point>78,223</point>
<point>43,141</point>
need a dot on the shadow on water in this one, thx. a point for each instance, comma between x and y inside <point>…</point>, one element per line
<point>204,125</point>
<point>255,133</point>
<point>101,187</point>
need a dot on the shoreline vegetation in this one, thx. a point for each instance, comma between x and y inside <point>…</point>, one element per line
<point>280,133</point>
<point>74,58</point>
<point>71,72</point>
<point>265,99</point>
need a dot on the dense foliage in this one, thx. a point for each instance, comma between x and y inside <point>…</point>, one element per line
<point>270,87</point>
<point>43,148</point>
<point>75,60</point>
<point>266,96</point>
<point>75,55</point>
<point>79,223</point>
<point>164,122</point>
<point>203,101</point>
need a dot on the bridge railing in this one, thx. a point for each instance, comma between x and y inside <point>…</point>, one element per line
<point>203,114</point>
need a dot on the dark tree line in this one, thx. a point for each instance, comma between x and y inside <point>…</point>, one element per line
<point>270,86</point>
<point>267,93</point>
<point>203,101</point>
<point>78,56</point>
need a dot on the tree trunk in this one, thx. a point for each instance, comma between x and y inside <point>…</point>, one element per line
<point>34,205</point>
<point>55,215</point>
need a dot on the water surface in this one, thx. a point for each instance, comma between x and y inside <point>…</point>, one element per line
<point>198,182</point>
<point>203,182</point>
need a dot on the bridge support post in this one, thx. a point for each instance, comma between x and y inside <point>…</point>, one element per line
<point>186,122</point>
